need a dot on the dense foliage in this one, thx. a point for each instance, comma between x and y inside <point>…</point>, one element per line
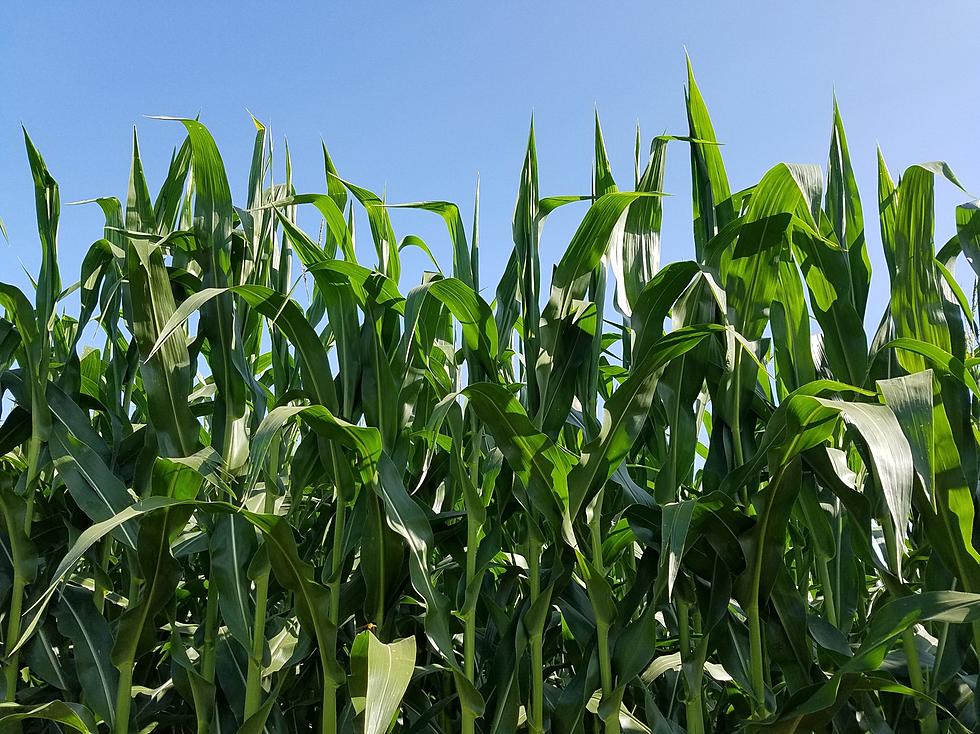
<point>723,506</point>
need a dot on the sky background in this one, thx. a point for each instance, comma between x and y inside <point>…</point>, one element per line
<point>417,98</point>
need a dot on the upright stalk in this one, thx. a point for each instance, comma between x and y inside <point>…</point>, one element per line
<point>328,703</point>
<point>536,719</point>
<point>337,558</point>
<point>105,553</point>
<point>692,701</point>
<point>378,520</point>
<point>611,722</point>
<point>124,697</point>
<point>253,683</point>
<point>474,524</point>
<point>124,689</point>
<point>757,675</point>
<point>329,722</point>
<point>930,724</point>
<point>756,660</point>
<point>19,583</point>
<point>209,649</point>
<point>13,631</point>
<point>737,408</point>
<point>829,605</point>
<point>469,629</point>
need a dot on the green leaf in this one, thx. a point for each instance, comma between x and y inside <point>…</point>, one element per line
<point>231,549</point>
<point>380,675</point>
<point>333,216</point>
<point>385,241</point>
<point>474,316</point>
<point>915,296</point>
<point>675,522</point>
<point>843,207</point>
<point>462,266</point>
<point>625,413</point>
<point>938,359</point>
<point>48,206</point>
<point>96,490</point>
<point>201,692</point>
<point>72,715</point>
<point>364,441</point>
<point>406,518</point>
<point>636,261</point>
<point>592,238</point>
<point>160,571</point>
<point>764,543</point>
<point>523,273</point>
<point>968,231</point>
<point>91,638</point>
<point>891,620</point>
<point>837,308</point>
<point>712,195</point>
<point>286,316</point>
<point>541,466</point>
<point>213,214</point>
<point>296,575</point>
<point>750,270</point>
<point>889,453</point>
<point>165,370</point>
<point>910,398</point>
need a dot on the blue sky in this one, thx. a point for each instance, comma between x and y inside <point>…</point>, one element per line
<point>418,97</point>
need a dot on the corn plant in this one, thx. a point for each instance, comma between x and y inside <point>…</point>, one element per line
<point>250,484</point>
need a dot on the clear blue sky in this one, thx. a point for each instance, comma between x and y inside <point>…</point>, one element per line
<point>419,97</point>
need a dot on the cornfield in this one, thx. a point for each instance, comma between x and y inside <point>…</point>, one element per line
<point>248,484</point>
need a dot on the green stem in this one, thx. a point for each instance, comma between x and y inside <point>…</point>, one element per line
<point>100,591</point>
<point>253,683</point>
<point>756,660</point>
<point>829,606</point>
<point>209,649</point>
<point>378,520</point>
<point>536,719</point>
<point>337,558</point>
<point>976,649</point>
<point>756,653</point>
<point>124,695</point>
<point>536,724</point>
<point>329,723</point>
<point>838,559</point>
<point>595,530</point>
<point>692,701</point>
<point>328,703</point>
<point>611,722</point>
<point>737,409</point>
<point>469,629</point>
<point>19,583</point>
<point>124,690</point>
<point>930,724</point>
<point>473,528</point>
<point>13,632</point>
